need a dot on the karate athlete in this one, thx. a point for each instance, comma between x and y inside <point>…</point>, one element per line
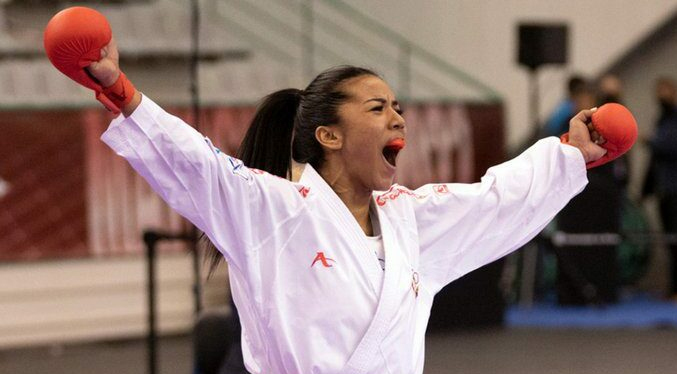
<point>303,252</point>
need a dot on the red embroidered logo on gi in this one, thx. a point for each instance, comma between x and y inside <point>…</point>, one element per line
<point>393,193</point>
<point>324,260</point>
<point>304,191</point>
<point>414,283</point>
<point>441,189</point>
<point>261,172</point>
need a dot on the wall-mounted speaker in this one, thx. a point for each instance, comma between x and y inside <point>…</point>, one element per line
<point>541,44</point>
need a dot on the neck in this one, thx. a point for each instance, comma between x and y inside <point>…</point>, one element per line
<point>356,199</point>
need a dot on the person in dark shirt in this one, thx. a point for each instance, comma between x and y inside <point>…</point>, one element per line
<point>661,178</point>
<point>609,89</point>
<point>558,122</point>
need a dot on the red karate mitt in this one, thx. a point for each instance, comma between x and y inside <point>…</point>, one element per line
<point>73,40</point>
<point>617,126</point>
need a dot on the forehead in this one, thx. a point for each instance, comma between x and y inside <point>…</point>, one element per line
<point>366,87</point>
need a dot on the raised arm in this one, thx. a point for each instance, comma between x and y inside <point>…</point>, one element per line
<point>236,207</point>
<point>462,227</point>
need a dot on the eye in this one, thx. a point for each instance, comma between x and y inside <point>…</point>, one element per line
<point>377,108</point>
<point>399,111</point>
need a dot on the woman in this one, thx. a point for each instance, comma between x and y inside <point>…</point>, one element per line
<point>304,254</point>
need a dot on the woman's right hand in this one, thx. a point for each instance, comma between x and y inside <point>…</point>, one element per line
<point>107,69</point>
<point>107,72</point>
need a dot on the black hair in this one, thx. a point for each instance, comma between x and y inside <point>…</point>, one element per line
<point>284,127</point>
<point>576,84</point>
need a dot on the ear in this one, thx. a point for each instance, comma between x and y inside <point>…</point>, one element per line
<point>329,137</point>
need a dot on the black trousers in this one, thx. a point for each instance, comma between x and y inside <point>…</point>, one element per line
<point>590,274</point>
<point>668,211</point>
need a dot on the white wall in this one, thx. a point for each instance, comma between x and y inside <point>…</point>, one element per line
<point>479,37</point>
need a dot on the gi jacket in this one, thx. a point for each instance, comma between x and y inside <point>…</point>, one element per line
<point>311,295</point>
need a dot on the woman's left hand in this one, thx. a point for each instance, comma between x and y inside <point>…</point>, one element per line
<point>583,136</point>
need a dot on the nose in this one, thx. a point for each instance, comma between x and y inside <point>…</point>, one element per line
<point>397,122</point>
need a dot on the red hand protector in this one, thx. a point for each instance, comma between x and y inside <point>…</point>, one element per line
<point>617,126</point>
<point>115,97</point>
<point>73,40</point>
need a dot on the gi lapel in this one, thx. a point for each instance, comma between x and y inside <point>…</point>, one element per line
<point>348,224</point>
<point>363,356</point>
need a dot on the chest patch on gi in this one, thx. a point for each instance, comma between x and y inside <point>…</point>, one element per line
<point>325,261</point>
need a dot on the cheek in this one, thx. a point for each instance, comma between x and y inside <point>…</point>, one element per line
<point>367,133</point>
<point>361,137</point>
<point>361,145</point>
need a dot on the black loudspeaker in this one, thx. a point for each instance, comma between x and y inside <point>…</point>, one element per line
<point>542,44</point>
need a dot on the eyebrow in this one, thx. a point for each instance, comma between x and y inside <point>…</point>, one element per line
<point>382,101</point>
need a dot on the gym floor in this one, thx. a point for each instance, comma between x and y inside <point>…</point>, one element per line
<point>504,351</point>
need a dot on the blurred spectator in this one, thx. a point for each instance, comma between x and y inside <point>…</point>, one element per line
<point>661,178</point>
<point>558,123</point>
<point>596,210</point>
<point>609,89</point>
<point>584,98</point>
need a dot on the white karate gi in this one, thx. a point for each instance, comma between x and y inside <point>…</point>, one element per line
<point>312,297</point>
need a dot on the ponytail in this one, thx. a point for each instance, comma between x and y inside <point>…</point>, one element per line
<point>267,143</point>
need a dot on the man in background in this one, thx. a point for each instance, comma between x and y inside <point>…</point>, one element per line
<point>558,123</point>
<point>661,178</point>
<point>609,89</point>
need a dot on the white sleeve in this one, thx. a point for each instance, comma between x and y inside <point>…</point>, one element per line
<point>236,207</point>
<point>462,227</point>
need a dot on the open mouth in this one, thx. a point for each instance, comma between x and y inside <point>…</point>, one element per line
<point>391,150</point>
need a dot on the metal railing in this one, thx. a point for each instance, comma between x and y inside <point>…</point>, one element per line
<point>312,34</point>
<point>410,50</point>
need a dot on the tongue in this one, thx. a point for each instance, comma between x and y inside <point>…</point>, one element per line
<point>396,144</point>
